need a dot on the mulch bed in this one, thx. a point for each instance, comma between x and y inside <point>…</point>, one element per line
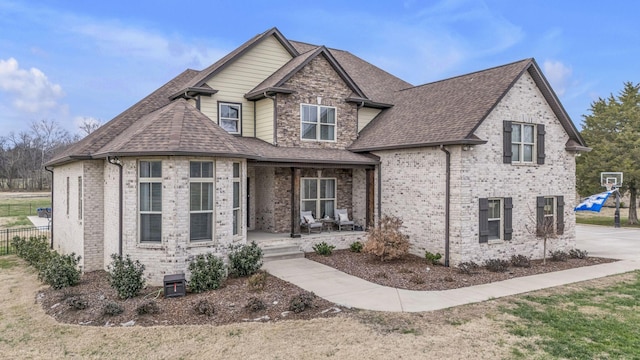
<point>413,273</point>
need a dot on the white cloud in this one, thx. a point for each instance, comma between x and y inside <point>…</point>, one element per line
<point>30,90</point>
<point>558,74</point>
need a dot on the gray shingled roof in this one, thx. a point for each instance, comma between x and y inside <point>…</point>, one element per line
<point>175,129</point>
<point>270,153</point>
<point>84,148</point>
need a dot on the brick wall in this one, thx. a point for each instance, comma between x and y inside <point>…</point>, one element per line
<point>67,228</point>
<point>413,185</point>
<point>93,214</point>
<point>316,81</point>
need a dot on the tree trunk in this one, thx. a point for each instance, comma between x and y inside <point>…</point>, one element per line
<point>633,214</point>
<point>544,251</point>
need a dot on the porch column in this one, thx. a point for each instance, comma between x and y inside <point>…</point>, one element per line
<point>370,175</point>
<point>295,202</point>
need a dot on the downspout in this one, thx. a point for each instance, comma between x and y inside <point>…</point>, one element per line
<point>379,191</point>
<point>275,117</point>
<point>116,161</point>
<point>255,118</point>
<point>51,220</point>
<point>447,197</point>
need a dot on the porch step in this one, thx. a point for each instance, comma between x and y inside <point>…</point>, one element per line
<point>281,252</point>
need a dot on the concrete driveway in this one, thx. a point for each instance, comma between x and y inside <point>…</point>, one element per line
<point>609,242</point>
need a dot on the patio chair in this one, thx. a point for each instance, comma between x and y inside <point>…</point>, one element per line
<point>307,220</point>
<point>342,219</point>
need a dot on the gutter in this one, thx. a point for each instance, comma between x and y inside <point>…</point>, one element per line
<point>50,169</point>
<point>446,205</point>
<point>114,160</point>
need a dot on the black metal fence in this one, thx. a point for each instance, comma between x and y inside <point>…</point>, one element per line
<point>26,209</point>
<point>6,235</point>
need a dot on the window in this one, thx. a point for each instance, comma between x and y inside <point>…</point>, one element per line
<point>318,195</point>
<point>495,219</point>
<point>150,185</point>
<point>523,143</point>
<point>318,122</point>
<point>79,197</point>
<point>237,223</point>
<point>229,117</point>
<point>201,201</point>
<point>549,215</point>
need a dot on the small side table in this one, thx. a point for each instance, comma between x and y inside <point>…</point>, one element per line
<point>327,224</point>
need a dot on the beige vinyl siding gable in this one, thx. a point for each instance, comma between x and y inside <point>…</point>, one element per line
<point>264,120</point>
<point>365,115</point>
<point>241,76</point>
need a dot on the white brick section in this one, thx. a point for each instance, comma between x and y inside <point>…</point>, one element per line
<point>67,228</point>
<point>413,185</point>
<point>111,214</point>
<point>93,214</point>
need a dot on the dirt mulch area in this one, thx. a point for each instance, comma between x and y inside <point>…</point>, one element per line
<point>413,272</point>
<point>229,304</point>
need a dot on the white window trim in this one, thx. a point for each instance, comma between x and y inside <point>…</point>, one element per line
<point>554,210</point>
<point>239,119</point>
<point>318,124</point>
<point>501,219</point>
<point>149,180</point>
<point>204,180</point>
<point>522,143</point>
<point>239,220</point>
<point>318,199</point>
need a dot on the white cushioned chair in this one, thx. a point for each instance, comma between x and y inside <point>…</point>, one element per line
<point>307,220</point>
<point>342,219</point>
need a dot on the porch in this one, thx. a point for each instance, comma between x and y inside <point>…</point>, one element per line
<point>339,239</point>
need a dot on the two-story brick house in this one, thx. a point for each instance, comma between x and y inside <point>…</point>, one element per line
<point>277,127</point>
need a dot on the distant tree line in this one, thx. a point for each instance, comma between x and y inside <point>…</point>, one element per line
<point>23,154</point>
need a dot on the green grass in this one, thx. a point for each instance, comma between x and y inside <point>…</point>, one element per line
<point>603,220</point>
<point>7,263</point>
<point>23,207</point>
<point>587,324</point>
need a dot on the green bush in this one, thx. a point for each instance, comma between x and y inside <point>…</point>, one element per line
<point>356,247</point>
<point>301,302</point>
<point>77,303</point>
<point>254,304</point>
<point>126,276</point>
<point>148,307</point>
<point>245,260</point>
<point>60,271</point>
<point>559,255</point>
<point>323,248</point>
<point>35,251</point>
<point>433,259</point>
<point>205,307</point>
<point>578,254</point>
<point>112,309</point>
<point>207,273</point>
<point>496,265</point>
<point>520,261</point>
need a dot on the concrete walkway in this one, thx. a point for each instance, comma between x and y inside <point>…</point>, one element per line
<point>351,291</point>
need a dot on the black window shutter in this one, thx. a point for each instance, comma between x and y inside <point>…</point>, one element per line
<point>506,142</point>
<point>484,220</point>
<point>560,215</point>
<point>508,221</point>
<point>540,143</point>
<point>540,215</point>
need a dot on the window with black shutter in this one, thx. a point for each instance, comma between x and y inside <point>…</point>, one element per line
<point>523,143</point>
<point>495,219</point>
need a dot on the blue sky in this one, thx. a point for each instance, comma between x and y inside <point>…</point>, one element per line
<point>68,60</point>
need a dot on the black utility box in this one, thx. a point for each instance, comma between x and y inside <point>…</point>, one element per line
<point>174,285</point>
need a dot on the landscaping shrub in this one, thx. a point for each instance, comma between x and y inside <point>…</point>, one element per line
<point>245,260</point>
<point>468,267</point>
<point>35,251</point>
<point>356,246</point>
<point>386,241</point>
<point>77,303</point>
<point>254,304</point>
<point>126,276</point>
<point>207,273</point>
<point>433,259</point>
<point>148,307</point>
<point>257,281</point>
<point>204,307</point>
<point>112,309</point>
<point>520,261</point>
<point>559,255</point>
<point>578,254</point>
<point>60,271</point>
<point>323,248</point>
<point>301,302</point>
<point>496,265</point>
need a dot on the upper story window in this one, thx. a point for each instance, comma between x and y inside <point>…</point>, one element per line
<point>318,122</point>
<point>229,116</point>
<point>523,143</point>
<point>150,207</point>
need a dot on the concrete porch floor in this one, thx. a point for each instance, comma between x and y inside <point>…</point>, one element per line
<point>341,239</point>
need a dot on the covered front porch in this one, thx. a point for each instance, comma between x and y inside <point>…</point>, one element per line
<point>305,242</point>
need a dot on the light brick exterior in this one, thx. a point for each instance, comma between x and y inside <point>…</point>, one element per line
<point>414,185</point>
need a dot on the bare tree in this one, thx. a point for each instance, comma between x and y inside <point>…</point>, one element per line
<point>88,125</point>
<point>544,225</point>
